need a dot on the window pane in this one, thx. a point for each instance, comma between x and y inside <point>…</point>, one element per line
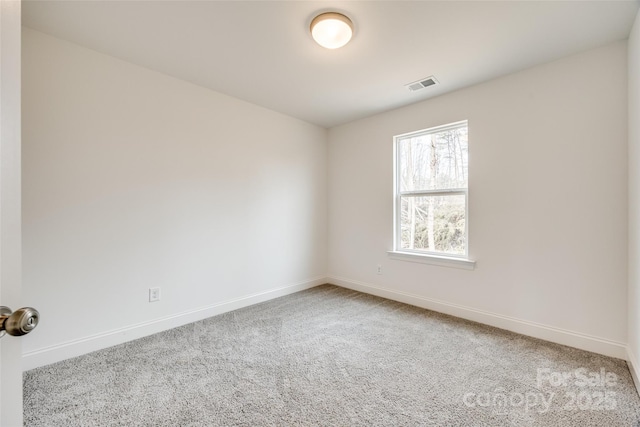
<point>434,161</point>
<point>433,223</point>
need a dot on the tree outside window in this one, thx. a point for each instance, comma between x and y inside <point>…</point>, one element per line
<point>431,190</point>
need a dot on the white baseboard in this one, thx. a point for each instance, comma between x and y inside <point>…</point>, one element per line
<point>632,362</point>
<point>57,353</point>
<point>524,327</point>
<point>52,354</point>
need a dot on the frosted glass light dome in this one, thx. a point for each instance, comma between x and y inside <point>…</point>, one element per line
<point>331,30</point>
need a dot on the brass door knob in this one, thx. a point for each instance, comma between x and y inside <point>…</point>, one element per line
<point>18,323</point>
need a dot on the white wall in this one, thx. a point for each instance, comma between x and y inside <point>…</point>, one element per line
<point>548,203</point>
<point>133,179</point>
<point>634,199</point>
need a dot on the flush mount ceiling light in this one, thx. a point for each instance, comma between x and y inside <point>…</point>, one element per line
<point>331,30</point>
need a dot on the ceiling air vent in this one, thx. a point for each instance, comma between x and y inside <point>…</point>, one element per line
<point>422,83</point>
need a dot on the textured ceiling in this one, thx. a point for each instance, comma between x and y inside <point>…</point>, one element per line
<point>262,52</point>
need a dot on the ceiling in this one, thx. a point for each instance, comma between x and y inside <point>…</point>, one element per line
<point>262,52</point>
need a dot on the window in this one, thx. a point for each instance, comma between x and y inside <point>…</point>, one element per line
<point>431,195</point>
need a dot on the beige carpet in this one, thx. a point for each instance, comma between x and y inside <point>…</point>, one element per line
<point>333,357</point>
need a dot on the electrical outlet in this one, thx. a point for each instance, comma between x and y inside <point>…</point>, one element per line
<point>154,294</point>
<point>379,269</point>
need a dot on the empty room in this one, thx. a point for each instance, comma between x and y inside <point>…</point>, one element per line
<point>319,213</point>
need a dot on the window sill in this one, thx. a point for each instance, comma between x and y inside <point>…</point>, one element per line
<point>442,261</point>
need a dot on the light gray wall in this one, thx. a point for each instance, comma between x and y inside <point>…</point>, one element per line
<point>133,179</point>
<point>634,199</point>
<point>548,203</point>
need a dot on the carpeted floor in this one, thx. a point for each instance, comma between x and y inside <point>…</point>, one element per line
<point>333,357</point>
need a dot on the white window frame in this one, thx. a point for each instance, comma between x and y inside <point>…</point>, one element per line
<point>421,255</point>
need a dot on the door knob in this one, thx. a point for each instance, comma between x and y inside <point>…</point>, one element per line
<point>20,322</point>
